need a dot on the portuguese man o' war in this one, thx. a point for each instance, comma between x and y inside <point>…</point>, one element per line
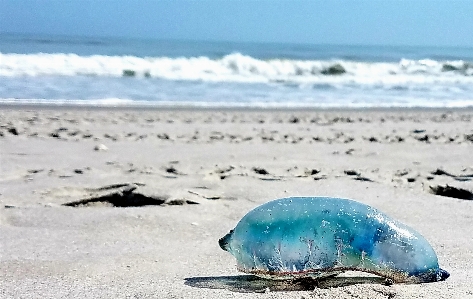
<point>323,236</point>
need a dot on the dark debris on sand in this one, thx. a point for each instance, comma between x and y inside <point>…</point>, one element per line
<point>450,191</point>
<point>124,195</point>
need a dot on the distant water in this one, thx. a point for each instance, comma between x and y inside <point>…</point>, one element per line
<point>127,72</point>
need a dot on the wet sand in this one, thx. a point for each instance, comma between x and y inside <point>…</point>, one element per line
<point>130,203</point>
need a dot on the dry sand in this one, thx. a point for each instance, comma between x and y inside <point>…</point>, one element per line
<point>62,170</point>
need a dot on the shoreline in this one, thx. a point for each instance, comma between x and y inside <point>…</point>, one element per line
<point>190,108</point>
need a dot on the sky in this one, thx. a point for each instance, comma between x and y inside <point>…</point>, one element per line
<point>367,22</point>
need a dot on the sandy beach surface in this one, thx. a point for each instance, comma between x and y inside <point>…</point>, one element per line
<point>72,181</point>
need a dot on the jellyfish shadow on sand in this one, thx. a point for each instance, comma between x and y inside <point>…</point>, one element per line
<point>254,284</point>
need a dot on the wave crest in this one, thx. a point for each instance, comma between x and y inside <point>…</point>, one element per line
<point>235,67</point>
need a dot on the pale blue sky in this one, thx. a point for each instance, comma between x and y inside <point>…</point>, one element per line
<point>368,22</point>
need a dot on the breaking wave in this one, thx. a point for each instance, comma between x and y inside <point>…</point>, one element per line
<point>237,67</point>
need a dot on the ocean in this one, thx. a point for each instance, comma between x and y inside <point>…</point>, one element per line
<point>59,70</point>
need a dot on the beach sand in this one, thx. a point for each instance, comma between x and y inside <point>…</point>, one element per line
<point>65,231</point>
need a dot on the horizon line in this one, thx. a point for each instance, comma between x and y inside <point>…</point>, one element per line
<point>141,38</point>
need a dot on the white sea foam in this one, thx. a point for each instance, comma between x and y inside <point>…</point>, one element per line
<point>241,68</point>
